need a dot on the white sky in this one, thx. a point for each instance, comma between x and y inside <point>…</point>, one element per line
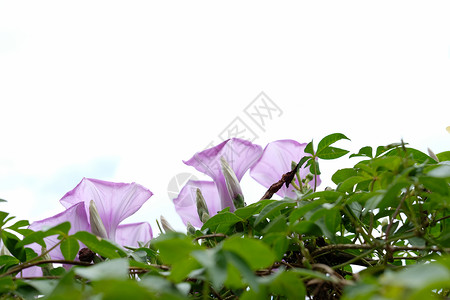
<point>125,90</point>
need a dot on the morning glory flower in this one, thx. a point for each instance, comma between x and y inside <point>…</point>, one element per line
<point>238,154</point>
<point>114,201</point>
<point>99,207</point>
<point>276,160</point>
<point>186,202</point>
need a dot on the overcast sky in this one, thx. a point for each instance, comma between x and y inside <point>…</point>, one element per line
<point>126,90</point>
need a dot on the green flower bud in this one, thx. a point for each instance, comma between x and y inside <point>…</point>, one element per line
<point>166,225</point>
<point>190,229</point>
<point>205,217</point>
<point>46,268</point>
<point>233,185</point>
<point>432,155</point>
<point>202,208</point>
<point>4,250</point>
<point>238,201</point>
<point>97,226</point>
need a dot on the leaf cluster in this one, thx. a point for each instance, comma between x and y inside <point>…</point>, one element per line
<point>381,233</point>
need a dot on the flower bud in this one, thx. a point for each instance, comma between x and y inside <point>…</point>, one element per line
<point>202,208</point>
<point>46,268</point>
<point>233,185</point>
<point>4,250</point>
<point>238,201</point>
<point>309,177</point>
<point>432,155</point>
<point>166,225</point>
<point>97,226</point>
<point>190,229</point>
<point>205,217</point>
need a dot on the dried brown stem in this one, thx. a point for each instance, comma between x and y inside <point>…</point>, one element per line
<point>285,179</point>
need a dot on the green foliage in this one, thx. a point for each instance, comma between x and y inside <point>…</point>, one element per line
<point>381,233</point>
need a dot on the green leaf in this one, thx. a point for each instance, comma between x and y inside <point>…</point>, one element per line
<point>100,246</point>
<point>119,289</point>
<point>348,184</point>
<point>363,166</point>
<point>299,212</point>
<point>247,211</point>
<point>8,260</point>
<point>383,149</point>
<point>309,148</point>
<point>328,195</point>
<point>278,242</point>
<point>215,264</point>
<point>12,243</point>
<point>437,276</point>
<point>331,153</point>
<point>255,252</point>
<point>386,198</point>
<point>222,218</point>
<point>392,196</point>
<point>308,228</point>
<point>7,285</point>
<point>278,224</point>
<point>273,208</point>
<point>112,269</point>
<point>66,288</point>
<point>19,224</point>
<point>417,155</point>
<point>69,248</point>
<point>313,167</point>
<point>329,140</point>
<point>240,264</point>
<point>306,273</point>
<point>288,284</point>
<point>3,216</point>
<point>342,174</point>
<point>38,236</point>
<point>444,156</point>
<point>180,271</point>
<point>328,220</point>
<point>364,151</point>
<point>160,288</point>
<point>303,160</point>
<point>435,184</point>
<point>45,287</point>
<point>174,247</point>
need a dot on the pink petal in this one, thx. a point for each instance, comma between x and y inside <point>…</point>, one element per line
<point>186,203</point>
<point>115,201</point>
<point>130,234</point>
<point>240,155</point>
<point>76,215</point>
<point>31,272</point>
<point>275,161</point>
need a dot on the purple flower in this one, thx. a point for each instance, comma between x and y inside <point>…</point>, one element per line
<point>239,154</point>
<point>186,202</point>
<point>220,162</point>
<point>114,202</point>
<point>276,160</point>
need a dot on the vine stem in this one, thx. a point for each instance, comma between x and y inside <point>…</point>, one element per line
<point>45,261</point>
<point>333,247</point>
<point>397,210</point>
<point>207,236</point>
